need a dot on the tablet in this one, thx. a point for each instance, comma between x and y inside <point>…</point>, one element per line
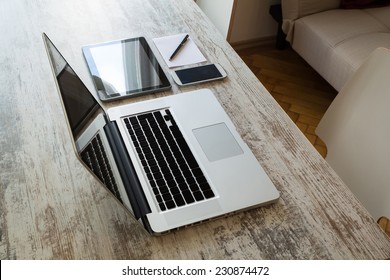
<point>124,68</point>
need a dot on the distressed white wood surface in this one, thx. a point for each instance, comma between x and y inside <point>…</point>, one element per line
<point>52,208</point>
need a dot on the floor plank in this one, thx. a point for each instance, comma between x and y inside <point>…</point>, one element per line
<point>300,91</point>
<point>385,224</point>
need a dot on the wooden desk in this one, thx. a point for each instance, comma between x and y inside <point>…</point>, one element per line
<point>51,206</point>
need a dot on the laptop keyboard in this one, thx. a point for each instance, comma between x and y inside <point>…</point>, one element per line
<point>96,159</point>
<point>172,170</point>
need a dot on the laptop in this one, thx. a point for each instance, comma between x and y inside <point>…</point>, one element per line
<point>172,161</point>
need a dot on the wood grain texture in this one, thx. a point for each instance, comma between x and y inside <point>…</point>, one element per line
<point>53,208</point>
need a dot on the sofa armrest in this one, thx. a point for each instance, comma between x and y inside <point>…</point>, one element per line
<point>295,9</point>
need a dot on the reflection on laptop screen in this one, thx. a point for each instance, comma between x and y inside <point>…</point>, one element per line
<point>78,101</point>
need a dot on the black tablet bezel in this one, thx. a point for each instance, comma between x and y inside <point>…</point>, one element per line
<point>165,84</point>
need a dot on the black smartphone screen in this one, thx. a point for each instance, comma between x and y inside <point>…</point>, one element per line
<point>196,74</point>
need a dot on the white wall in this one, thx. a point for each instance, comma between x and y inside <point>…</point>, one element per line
<point>251,19</point>
<point>219,12</point>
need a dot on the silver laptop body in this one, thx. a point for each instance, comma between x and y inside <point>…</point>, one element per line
<point>204,171</point>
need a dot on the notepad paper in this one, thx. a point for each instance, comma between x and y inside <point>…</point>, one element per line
<point>188,54</point>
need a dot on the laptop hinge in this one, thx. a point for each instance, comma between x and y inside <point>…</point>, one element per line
<point>126,169</point>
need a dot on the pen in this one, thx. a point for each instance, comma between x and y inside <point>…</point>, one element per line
<point>179,47</point>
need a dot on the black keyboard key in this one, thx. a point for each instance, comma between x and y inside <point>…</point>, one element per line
<point>159,198</point>
<point>147,169</point>
<point>162,206</point>
<point>147,150</point>
<point>163,190</point>
<point>183,187</point>
<point>198,196</point>
<point>155,191</point>
<point>171,183</point>
<point>188,197</point>
<point>150,176</point>
<point>201,179</point>
<point>143,117</point>
<point>149,156</point>
<point>174,190</point>
<point>194,187</point>
<point>133,120</point>
<point>165,169</point>
<point>166,196</point>
<point>154,168</point>
<point>204,186</point>
<point>151,162</point>
<point>170,204</point>
<point>157,175</point>
<point>141,156</point>
<point>208,194</point>
<point>176,172</point>
<point>181,162</point>
<point>153,184</point>
<point>180,179</point>
<point>168,177</point>
<point>143,144</point>
<point>187,173</point>
<point>190,180</point>
<point>178,198</point>
<point>160,182</point>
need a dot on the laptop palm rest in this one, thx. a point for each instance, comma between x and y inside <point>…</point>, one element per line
<point>202,210</point>
<point>217,142</point>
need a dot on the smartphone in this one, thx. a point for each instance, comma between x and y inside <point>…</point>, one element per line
<point>198,74</point>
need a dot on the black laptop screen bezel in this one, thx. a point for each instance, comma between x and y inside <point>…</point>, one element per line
<point>104,95</point>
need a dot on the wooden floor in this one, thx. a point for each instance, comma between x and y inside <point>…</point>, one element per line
<point>385,224</point>
<point>299,90</point>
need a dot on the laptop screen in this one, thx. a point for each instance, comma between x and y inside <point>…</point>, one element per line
<point>78,101</point>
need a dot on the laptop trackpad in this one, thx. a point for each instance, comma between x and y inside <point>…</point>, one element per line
<point>217,142</point>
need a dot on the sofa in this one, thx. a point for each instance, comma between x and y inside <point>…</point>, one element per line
<point>336,36</point>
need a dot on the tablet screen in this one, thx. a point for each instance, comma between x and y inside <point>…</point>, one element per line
<point>124,68</point>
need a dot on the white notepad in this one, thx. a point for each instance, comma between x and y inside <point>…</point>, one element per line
<point>188,54</point>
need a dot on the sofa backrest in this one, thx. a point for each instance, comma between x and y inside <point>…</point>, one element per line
<point>295,9</point>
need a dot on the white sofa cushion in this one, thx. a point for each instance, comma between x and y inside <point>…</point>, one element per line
<point>349,55</point>
<point>381,14</point>
<point>295,9</point>
<point>317,36</point>
<point>335,26</point>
